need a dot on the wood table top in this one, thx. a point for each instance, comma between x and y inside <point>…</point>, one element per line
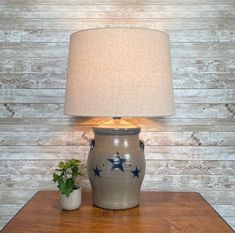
<point>158,212</point>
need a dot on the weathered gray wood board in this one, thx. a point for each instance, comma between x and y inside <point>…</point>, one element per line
<point>62,35</point>
<point>194,150</point>
<point>56,49</point>
<point>54,81</point>
<point>127,2</point>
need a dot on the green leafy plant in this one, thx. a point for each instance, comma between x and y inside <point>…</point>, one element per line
<point>66,176</point>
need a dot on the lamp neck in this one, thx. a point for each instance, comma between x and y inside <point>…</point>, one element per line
<point>116,118</point>
<point>117,123</point>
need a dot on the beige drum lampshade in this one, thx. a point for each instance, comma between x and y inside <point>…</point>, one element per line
<point>119,72</point>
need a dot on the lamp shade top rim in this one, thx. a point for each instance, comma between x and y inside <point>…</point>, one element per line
<point>118,28</point>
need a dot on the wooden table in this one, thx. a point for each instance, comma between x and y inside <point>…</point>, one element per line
<point>163,212</point>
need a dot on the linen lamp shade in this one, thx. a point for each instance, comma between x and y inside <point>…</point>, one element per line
<point>119,72</point>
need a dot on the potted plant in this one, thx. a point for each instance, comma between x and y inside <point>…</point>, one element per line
<point>65,176</point>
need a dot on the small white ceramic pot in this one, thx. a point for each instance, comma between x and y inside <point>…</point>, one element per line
<point>73,201</point>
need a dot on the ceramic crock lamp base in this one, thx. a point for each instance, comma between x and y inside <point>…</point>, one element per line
<point>116,166</point>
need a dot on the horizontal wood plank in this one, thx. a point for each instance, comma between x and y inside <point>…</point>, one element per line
<point>48,152</point>
<point>188,183</point>
<point>78,24</point>
<point>15,197</point>
<point>34,81</point>
<point>54,81</point>
<point>190,153</point>
<point>80,138</point>
<point>181,96</point>
<point>225,210</point>
<point>189,138</point>
<point>204,80</point>
<point>38,182</point>
<point>96,2</point>
<point>47,127</point>
<point>106,8</point>
<point>178,50</point>
<point>151,182</point>
<point>9,209</point>
<point>165,153</point>
<point>62,35</point>
<point>151,124</point>
<point>172,167</point>
<point>128,11</point>
<point>186,66</point>
<point>219,197</point>
<point>182,111</point>
<point>153,167</point>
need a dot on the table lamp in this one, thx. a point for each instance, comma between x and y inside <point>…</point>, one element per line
<point>118,72</point>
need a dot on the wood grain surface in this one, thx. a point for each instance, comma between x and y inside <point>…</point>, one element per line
<point>161,212</point>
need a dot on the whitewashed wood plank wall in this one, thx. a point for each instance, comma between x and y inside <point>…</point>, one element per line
<point>191,151</point>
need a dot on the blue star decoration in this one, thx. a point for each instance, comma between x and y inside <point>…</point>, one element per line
<point>97,171</point>
<point>136,172</point>
<point>117,162</point>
